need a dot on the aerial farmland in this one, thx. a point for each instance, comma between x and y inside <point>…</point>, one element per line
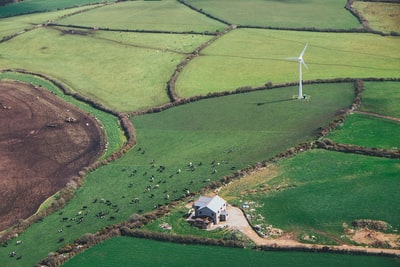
<point>118,116</point>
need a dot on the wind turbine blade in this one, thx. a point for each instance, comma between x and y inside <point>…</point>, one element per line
<point>305,65</point>
<point>292,58</point>
<point>302,52</point>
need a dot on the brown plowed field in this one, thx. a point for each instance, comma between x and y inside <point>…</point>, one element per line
<point>39,149</point>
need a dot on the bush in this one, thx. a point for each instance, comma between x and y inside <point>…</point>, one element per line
<point>135,218</point>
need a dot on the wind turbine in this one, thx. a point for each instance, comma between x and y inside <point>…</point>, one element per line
<point>301,62</point>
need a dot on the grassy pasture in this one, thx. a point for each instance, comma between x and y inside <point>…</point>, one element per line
<point>382,98</point>
<point>85,62</point>
<point>233,131</point>
<point>140,15</point>
<point>9,26</point>
<point>368,131</point>
<point>293,14</point>
<point>126,251</point>
<point>324,189</point>
<point>111,127</point>
<point>251,57</point>
<point>383,17</point>
<point>34,6</point>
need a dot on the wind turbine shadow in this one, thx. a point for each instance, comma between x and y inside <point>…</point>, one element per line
<point>275,101</point>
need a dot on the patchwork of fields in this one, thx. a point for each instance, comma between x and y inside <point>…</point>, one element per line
<point>207,65</point>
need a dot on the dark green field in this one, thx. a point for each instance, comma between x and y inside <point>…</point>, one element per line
<point>320,190</point>
<point>34,6</point>
<point>382,98</point>
<point>368,131</point>
<point>125,251</point>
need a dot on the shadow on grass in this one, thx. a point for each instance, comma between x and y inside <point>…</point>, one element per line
<point>275,101</point>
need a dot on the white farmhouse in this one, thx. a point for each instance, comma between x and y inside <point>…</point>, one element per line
<point>212,207</point>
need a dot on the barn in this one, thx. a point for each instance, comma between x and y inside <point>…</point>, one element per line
<point>211,207</point>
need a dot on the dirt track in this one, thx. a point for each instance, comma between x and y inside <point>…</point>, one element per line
<point>39,150</point>
<point>238,221</point>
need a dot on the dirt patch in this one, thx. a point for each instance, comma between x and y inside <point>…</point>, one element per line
<point>288,240</point>
<point>75,32</point>
<point>375,238</point>
<point>44,141</point>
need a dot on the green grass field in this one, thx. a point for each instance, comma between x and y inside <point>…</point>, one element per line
<point>292,14</point>
<point>250,57</point>
<point>87,67</point>
<point>382,98</point>
<point>227,130</point>
<point>323,189</point>
<point>126,251</point>
<point>33,6</point>
<point>368,131</point>
<point>139,15</point>
<point>380,16</point>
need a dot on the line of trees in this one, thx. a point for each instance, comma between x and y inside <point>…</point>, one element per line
<point>200,10</point>
<point>347,148</point>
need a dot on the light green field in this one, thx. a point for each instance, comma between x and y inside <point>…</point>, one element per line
<point>383,17</point>
<point>14,25</point>
<point>320,14</point>
<point>233,131</point>
<point>368,131</point>
<point>126,251</point>
<point>321,190</point>
<point>382,98</point>
<point>250,57</point>
<point>103,66</point>
<point>146,15</point>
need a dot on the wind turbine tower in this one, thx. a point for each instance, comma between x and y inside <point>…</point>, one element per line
<point>301,62</point>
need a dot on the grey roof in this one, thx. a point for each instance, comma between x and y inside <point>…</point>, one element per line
<point>213,203</point>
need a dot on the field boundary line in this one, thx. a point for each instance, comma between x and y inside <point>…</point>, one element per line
<point>173,96</point>
<point>377,115</point>
<point>183,2</point>
<point>348,148</point>
<point>52,24</point>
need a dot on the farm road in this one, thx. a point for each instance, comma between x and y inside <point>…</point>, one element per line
<point>238,221</point>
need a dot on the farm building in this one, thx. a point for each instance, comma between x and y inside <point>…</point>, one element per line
<point>211,207</point>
